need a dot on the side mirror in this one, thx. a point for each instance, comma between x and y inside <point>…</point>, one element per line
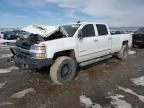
<point>80,35</point>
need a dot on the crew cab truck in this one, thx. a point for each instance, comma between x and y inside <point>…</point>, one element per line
<point>67,47</point>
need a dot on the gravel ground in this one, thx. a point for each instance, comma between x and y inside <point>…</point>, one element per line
<point>107,84</point>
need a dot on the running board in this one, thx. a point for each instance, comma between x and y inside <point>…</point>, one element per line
<point>94,60</point>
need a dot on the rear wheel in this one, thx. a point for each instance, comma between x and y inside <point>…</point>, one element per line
<point>63,70</point>
<point>123,54</point>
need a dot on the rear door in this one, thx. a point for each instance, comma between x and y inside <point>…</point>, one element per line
<point>103,40</point>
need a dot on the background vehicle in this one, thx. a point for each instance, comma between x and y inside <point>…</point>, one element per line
<point>23,34</point>
<point>67,47</point>
<point>117,32</point>
<point>138,37</point>
<point>9,35</point>
<point>1,34</point>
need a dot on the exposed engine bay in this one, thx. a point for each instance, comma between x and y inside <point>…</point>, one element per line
<point>36,39</point>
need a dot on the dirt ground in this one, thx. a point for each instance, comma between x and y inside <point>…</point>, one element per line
<point>99,82</point>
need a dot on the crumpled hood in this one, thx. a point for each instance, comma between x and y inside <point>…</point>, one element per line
<point>42,30</point>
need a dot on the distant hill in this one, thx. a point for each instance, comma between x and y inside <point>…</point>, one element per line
<point>123,28</point>
<point>111,28</point>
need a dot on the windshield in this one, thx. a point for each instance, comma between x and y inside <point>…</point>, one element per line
<point>70,29</point>
<point>140,30</point>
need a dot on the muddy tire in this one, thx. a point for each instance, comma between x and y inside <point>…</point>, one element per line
<point>123,54</point>
<point>63,70</point>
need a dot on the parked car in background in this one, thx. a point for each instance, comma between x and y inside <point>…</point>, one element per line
<point>117,32</point>
<point>23,34</point>
<point>138,37</point>
<point>9,35</point>
<point>1,34</point>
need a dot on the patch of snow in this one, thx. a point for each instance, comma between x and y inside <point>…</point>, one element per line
<point>6,41</point>
<point>5,56</point>
<point>138,81</point>
<point>140,97</point>
<point>87,102</point>
<point>6,46</point>
<point>22,93</point>
<point>117,102</point>
<point>8,70</point>
<point>4,71</point>
<point>3,46</point>
<point>132,52</point>
<point>5,49</point>
<point>5,103</point>
<point>2,84</point>
<point>13,68</point>
<point>139,70</point>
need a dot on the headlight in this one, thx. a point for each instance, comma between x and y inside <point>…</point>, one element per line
<point>38,52</point>
<point>38,47</point>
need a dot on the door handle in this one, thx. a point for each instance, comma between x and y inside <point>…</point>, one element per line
<point>95,40</point>
<point>109,38</point>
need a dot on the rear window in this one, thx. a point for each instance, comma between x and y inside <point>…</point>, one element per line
<point>102,29</point>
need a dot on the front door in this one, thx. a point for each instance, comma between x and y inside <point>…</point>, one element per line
<point>86,45</point>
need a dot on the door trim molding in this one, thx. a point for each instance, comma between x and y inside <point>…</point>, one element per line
<point>95,52</point>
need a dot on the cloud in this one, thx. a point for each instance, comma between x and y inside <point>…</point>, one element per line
<point>114,12</point>
<point>73,4</point>
<point>46,13</point>
<point>14,16</point>
<point>119,12</point>
<point>27,3</point>
<point>12,20</point>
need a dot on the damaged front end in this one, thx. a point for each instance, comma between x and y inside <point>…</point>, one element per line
<point>28,53</point>
<point>30,59</point>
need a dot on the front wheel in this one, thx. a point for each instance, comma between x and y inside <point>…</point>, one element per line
<point>63,70</point>
<point>123,53</point>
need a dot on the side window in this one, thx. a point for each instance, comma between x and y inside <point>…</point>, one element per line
<point>88,30</point>
<point>102,29</point>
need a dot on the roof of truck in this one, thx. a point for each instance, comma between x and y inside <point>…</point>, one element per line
<point>87,23</point>
<point>45,30</point>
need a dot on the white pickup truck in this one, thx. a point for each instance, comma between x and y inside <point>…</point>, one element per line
<point>67,47</point>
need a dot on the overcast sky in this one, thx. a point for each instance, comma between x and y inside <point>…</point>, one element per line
<point>19,13</point>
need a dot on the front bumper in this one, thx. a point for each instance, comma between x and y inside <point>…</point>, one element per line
<point>23,60</point>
